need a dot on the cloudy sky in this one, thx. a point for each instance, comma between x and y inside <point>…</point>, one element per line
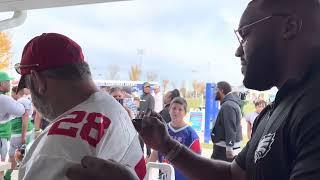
<point>180,39</point>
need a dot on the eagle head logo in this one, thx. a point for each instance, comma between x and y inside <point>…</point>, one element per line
<point>264,146</point>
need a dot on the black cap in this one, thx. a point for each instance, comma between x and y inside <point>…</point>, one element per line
<point>146,84</point>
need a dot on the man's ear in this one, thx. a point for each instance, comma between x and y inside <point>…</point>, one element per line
<point>292,27</point>
<point>40,83</point>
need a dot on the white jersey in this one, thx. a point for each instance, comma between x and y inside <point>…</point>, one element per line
<point>9,108</point>
<point>98,127</point>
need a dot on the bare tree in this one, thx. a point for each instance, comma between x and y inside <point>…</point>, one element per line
<point>113,72</point>
<point>195,87</point>
<point>198,88</point>
<point>202,87</point>
<point>183,89</point>
<point>174,85</point>
<point>5,51</point>
<point>135,73</point>
<point>165,84</point>
<point>152,76</point>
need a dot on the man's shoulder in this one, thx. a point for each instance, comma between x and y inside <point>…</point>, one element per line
<point>5,98</point>
<point>230,104</point>
<point>149,96</point>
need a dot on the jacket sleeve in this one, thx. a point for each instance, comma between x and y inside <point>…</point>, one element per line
<point>229,121</point>
<point>151,103</point>
<point>11,106</point>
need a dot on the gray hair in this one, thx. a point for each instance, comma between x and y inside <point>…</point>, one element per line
<point>75,71</point>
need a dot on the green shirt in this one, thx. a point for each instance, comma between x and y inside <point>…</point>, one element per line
<point>5,130</point>
<point>16,125</point>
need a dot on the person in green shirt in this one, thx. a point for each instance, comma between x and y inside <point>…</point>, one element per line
<point>8,109</point>
<point>21,128</point>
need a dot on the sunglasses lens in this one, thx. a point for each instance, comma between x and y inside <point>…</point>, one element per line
<point>17,68</point>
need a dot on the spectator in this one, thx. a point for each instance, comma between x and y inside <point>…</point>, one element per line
<point>84,120</point>
<point>180,131</point>
<point>227,132</point>
<point>129,102</point>
<point>136,101</point>
<point>146,99</point>
<point>167,99</point>
<point>146,102</point>
<point>117,93</point>
<point>8,108</point>
<point>259,105</point>
<point>21,128</point>
<point>158,99</point>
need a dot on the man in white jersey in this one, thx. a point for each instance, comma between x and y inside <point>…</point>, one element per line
<point>8,109</point>
<point>84,120</point>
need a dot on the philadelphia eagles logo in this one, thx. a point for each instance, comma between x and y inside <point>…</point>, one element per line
<point>264,146</point>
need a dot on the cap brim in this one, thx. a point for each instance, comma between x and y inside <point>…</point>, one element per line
<point>22,83</point>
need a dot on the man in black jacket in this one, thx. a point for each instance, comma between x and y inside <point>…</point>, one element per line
<point>227,133</point>
<point>146,99</point>
<point>146,102</point>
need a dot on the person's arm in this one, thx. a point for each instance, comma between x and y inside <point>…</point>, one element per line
<point>37,121</point>
<point>153,157</point>
<point>202,168</point>
<point>99,169</point>
<point>37,124</point>
<point>230,127</point>
<point>154,134</point>
<point>25,120</point>
<point>11,106</point>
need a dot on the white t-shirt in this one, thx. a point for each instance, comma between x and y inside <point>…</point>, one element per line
<point>9,108</point>
<point>251,117</point>
<point>98,127</point>
<point>158,102</point>
<point>27,104</point>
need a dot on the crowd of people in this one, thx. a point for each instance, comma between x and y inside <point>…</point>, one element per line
<point>91,133</point>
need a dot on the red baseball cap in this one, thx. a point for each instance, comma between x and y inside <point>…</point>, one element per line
<point>48,51</point>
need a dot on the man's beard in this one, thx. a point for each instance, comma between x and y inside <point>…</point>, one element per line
<point>218,97</point>
<point>45,108</point>
<point>262,71</point>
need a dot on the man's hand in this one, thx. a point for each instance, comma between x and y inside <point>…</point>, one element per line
<point>154,132</point>
<point>37,133</point>
<point>99,169</point>
<point>229,153</point>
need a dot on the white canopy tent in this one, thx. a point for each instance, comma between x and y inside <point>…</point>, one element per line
<point>20,8</point>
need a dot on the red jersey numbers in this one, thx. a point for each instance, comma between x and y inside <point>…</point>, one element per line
<point>92,131</point>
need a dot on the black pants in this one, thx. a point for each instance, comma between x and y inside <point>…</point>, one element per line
<point>219,153</point>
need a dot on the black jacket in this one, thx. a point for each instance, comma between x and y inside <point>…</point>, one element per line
<point>165,113</point>
<point>146,101</point>
<point>227,127</point>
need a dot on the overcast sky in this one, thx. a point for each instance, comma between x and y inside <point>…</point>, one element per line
<point>181,39</point>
